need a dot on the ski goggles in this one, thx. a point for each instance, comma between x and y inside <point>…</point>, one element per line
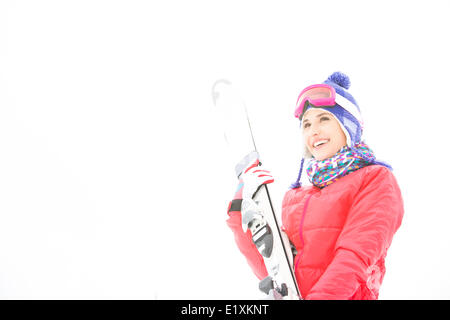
<point>319,95</point>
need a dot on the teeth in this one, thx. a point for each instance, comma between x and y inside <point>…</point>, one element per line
<point>318,143</point>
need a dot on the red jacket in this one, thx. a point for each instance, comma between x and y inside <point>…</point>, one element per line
<point>342,233</point>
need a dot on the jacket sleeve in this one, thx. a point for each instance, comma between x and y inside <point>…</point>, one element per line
<point>246,245</point>
<point>373,218</point>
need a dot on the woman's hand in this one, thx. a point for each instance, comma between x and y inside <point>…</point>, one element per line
<point>252,178</point>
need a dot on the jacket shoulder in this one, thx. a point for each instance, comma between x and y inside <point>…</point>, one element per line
<point>376,176</point>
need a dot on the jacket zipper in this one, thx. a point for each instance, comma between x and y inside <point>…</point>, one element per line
<point>300,254</point>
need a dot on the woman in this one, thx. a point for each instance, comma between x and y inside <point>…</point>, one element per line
<point>343,224</point>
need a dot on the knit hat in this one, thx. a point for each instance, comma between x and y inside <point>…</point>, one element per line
<point>346,110</point>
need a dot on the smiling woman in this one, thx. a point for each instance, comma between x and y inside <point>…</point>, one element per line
<point>352,209</point>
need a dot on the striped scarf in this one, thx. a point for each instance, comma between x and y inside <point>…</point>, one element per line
<point>325,172</point>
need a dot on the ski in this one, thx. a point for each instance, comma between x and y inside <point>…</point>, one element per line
<point>258,214</point>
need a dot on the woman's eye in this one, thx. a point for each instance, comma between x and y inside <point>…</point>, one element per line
<point>324,118</point>
<point>306,125</point>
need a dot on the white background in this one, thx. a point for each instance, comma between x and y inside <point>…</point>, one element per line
<point>113,175</point>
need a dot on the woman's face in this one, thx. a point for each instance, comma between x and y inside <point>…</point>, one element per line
<point>322,134</point>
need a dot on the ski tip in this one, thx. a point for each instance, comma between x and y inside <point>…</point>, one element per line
<point>216,88</point>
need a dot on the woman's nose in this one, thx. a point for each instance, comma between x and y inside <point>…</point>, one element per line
<point>315,129</point>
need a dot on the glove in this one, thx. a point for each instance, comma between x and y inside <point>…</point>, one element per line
<point>252,178</point>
